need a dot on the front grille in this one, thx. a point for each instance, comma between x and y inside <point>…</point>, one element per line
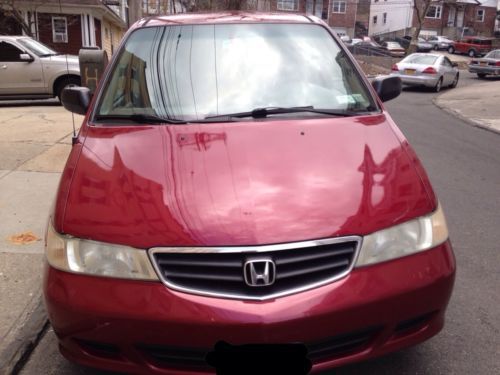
<point>221,271</point>
<point>328,349</point>
<point>169,356</point>
<point>341,345</point>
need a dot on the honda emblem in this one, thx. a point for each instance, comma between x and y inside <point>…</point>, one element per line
<point>259,272</point>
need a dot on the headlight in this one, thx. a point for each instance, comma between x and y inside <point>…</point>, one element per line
<point>97,258</point>
<point>404,239</point>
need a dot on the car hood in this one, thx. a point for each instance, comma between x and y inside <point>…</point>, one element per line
<point>60,59</point>
<point>244,183</point>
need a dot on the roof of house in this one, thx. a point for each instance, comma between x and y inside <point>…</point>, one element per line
<point>76,4</point>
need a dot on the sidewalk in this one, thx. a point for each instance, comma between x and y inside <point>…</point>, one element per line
<point>477,104</point>
<point>34,144</point>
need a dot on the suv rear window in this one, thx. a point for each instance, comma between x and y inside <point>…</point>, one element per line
<point>190,72</point>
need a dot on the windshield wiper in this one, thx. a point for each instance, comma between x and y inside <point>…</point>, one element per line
<point>264,112</point>
<point>141,119</point>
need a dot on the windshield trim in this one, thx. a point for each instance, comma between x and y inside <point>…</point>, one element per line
<point>363,80</point>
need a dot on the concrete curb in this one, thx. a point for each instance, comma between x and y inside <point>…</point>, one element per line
<point>474,122</point>
<point>23,337</point>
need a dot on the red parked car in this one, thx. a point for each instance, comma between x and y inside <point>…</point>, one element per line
<point>237,190</point>
<point>472,46</point>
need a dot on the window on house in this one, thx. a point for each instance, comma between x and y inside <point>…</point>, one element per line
<point>375,20</point>
<point>288,5</point>
<point>480,15</point>
<point>434,11</point>
<point>59,30</point>
<point>385,18</point>
<point>338,7</point>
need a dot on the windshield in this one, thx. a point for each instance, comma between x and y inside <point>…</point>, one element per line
<point>191,72</point>
<point>37,48</point>
<point>420,59</point>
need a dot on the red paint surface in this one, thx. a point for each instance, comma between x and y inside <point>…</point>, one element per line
<point>248,183</point>
<point>126,313</point>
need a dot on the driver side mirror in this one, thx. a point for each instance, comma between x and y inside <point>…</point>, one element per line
<point>387,87</point>
<point>76,99</point>
<point>26,57</point>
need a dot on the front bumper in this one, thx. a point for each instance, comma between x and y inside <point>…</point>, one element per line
<point>145,328</point>
<point>484,69</point>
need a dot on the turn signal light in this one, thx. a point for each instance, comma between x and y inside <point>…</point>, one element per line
<point>429,70</point>
<point>395,68</point>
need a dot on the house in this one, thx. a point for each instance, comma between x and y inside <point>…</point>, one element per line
<point>68,25</point>
<point>456,18</point>
<point>390,17</point>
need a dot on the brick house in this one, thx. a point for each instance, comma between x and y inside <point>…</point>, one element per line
<point>456,18</point>
<point>340,15</point>
<point>70,26</point>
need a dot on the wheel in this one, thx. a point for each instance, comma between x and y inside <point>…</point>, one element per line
<point>471,53</point>
<point>66,82</point>
<point>451,50</point>
<point>439,83</point>
<point>481,75</point>
<point>455,82</point>
<point>436,47</point>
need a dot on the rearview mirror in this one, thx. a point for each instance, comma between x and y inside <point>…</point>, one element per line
<point>76,99</point>
<point>387,87</point>
<point>26,57</point>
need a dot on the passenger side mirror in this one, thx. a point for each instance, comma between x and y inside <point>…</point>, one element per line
<point>387,87</point>
<point>76,99</point>
<point>26,57</point>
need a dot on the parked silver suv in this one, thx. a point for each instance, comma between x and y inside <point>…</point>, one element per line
<point>31,70</point>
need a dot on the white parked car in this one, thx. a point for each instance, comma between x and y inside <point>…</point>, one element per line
<point>31,70</point>
<point>425,69</point>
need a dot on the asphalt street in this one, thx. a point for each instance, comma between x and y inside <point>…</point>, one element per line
<point>463,163</point>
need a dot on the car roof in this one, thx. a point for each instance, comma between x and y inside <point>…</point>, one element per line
<point>426,54</point>
<point>478,37</point>
<point>225,18</point>
<point>13,37</point>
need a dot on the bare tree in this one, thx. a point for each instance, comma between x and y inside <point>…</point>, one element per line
<point>11,10</point>
<point>421,7</point>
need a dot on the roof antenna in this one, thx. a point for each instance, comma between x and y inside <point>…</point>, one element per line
<point>74,138</point>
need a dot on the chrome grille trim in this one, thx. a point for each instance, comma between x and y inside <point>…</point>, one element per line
<point>255,250</point>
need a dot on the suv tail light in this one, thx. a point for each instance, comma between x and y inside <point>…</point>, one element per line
<point>395,68</point>
<point>429,70</point>
<point>497,63</point>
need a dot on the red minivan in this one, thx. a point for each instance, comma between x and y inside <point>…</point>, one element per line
<point>238,187</point>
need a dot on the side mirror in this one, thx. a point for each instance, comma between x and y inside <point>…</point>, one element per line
<point>26,57</point>
<point>387,87</point>
<point>454,64</point>
<point>76,99</point>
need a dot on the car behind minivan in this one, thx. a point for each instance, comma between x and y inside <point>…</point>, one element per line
<point>238,187</point>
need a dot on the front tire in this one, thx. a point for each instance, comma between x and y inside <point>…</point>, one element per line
<point>451,50</point>
<point>439,84</point>
<point>66,82</point>
<point>471,53</point>
<point>481,75</point>
<point>436,47</point>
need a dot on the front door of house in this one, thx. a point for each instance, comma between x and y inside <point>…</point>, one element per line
<point>460,18</point>
<point>314,7</point>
